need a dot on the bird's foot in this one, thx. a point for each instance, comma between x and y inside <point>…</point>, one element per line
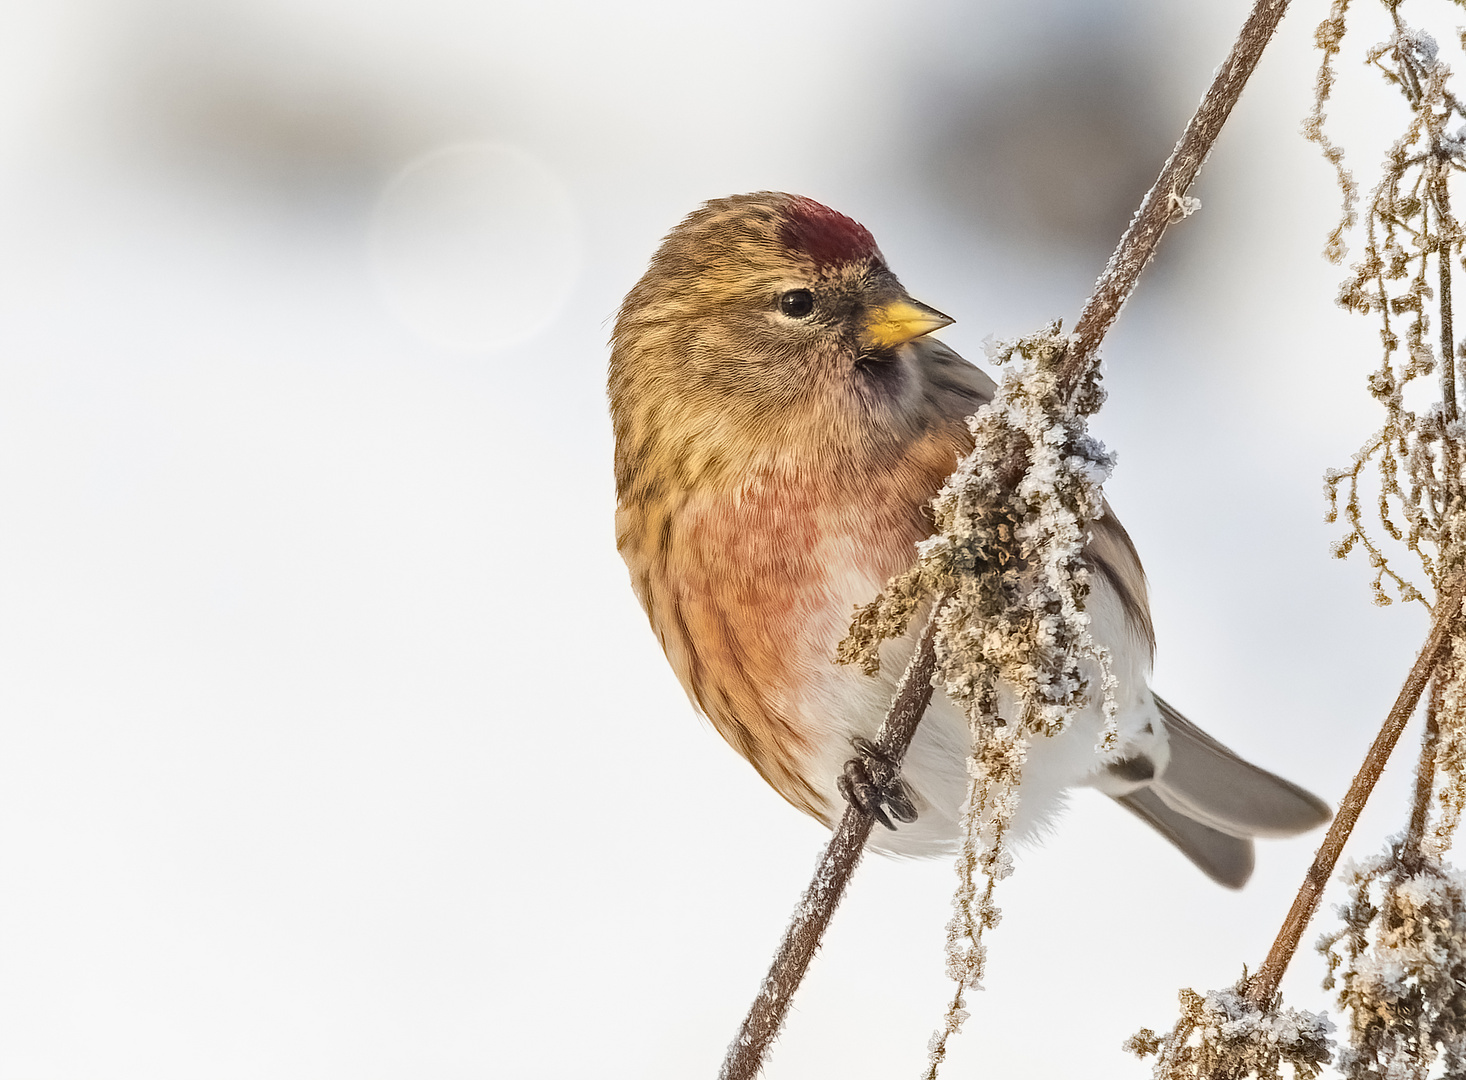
<point>870,784</point>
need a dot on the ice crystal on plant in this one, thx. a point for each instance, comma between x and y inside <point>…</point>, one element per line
<point>1449,759</point>
<point>1328,37</point>
<point>1399,955</point>
<point>1399,962</point>
<point>1224,1036</point>
<point>1409,228</point>
<point>1013,645</point>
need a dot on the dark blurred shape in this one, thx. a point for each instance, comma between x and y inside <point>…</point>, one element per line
<point>1054,139</point>
<point>215,87</point>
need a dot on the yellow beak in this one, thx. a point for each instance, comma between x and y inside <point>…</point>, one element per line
<point>900,321</point>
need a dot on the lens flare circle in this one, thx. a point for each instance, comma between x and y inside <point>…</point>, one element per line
<point>476,245</point>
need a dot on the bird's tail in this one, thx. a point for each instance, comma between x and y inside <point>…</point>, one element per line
<point>1210,803</point>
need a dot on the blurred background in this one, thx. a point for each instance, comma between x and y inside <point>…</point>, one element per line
<point>333,743</point>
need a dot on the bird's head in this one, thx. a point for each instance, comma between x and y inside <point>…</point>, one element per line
<point>762,319</point>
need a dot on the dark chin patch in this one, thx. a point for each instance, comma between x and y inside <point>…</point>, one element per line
<point>827,237</point>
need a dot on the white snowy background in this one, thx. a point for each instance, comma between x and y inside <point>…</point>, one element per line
<point>333,743</point>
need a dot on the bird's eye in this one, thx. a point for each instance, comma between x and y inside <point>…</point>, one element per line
<point>797,303</point>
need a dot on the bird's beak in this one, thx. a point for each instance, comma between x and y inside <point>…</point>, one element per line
<point>900,321</point>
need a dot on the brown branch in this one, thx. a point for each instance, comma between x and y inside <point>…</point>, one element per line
<point>766,1016</point>
<point>1448,345</point>
<point>1450,457</point>
<point>1264,983</point>
<point>1424,780</point>
<point>1136,248</point>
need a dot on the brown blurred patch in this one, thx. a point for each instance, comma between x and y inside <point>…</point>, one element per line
<point>216,87</point>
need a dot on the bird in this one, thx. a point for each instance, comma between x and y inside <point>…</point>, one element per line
<point>782,419</point>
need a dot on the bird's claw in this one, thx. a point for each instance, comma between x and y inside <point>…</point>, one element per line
<point>870,784</point>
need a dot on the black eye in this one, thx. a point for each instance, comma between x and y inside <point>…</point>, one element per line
<point>797,303</point>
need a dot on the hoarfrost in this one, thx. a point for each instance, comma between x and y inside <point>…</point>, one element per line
<point>1408,226</point>
<point>1223,1036</point>
<point>1013,642</point>
<point>1399,962</point>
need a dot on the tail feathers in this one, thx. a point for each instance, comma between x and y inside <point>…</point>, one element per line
<point>1224,858</point>
<point>1210,803</point>
<point>1211,785</point>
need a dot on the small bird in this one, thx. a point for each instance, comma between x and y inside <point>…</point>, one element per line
<point>782,421</point>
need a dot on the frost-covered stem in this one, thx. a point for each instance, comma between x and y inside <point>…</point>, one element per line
<point>1424,778</point>
<point>1264,983</point>
<point>1448,346</point>
<point>971,928</point>
<point>766,1015</point>
<point>1425,770</point>
<point>1163,201</point>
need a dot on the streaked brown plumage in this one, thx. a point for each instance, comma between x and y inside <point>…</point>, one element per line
<point>781,422</point>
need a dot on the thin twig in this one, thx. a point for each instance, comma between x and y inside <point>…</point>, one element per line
<point>1449,411</point>
<point>1158,210</point>
<point>1425,767</point>
<point>1424,779</point>
<point>1264,983</point>
<point>1448,345</point>
<point>766,1016</point>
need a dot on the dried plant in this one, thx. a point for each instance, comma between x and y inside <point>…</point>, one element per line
<point>1013,646</point>
<point>1411,240</point>
<point>1400,956</point>
<point>1447,778</point>
<point>1224,1036</point>
<point>1399,960</point>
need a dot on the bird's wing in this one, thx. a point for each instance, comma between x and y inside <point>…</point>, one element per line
<point>1112,554</point>
<point>953,387</point>
<point>1210,784</point>
<point>957,389</point>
